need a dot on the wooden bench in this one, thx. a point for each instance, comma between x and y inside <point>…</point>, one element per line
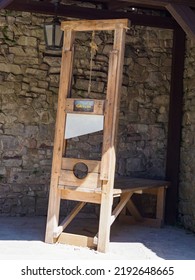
<point>125,187</point>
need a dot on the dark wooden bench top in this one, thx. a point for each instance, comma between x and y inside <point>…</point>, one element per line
<point>125,184</point>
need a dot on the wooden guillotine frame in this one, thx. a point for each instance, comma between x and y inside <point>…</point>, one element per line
<point>98,186</point>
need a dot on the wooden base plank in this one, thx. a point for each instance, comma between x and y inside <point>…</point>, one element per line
<point>77,240</point>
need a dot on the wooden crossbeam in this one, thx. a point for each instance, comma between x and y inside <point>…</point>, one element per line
<point>159,3</point>
<point>68,179</point>
<point>90,13</point>
<point>97,25</point>
<point>185,18</point>
<point>69,163</point>
<point>85,196</point>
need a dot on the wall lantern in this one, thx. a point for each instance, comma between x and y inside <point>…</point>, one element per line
<point>53,35</point>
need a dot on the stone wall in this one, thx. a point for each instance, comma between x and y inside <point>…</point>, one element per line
<point>29,80</point>
<point>28,97</point>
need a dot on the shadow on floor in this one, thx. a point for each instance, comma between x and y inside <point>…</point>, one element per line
<point>169,243</point>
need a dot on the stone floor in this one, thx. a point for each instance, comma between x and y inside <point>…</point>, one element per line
<point>23,238</point>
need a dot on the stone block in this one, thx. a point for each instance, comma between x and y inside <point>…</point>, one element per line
<point>161,100</point>
<point>38,33</point>
<point>31,130</point>
<point>38,90</point>
<point>7,205</point>
<point>191,117</point>
<point>17,50</point>
<point>135,165</point>
<point>33,52</point>
<point>5,89</point>
<point>10,68</point>
<point>54,80</point>
<point>40,74</point>
<point>95,86</point>
<point>27,41</point>
<point>41,205</point>
<point>12,161</point>
<point>2,172</point>
<point>28,115</point>
<point>43,84</point>
<point>52,61</point>
<point>26,60</point>
<point>8,142</point>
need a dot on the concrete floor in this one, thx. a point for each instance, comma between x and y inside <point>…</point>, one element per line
<point>23,238</point>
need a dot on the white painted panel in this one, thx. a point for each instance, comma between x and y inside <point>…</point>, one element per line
<point>81,124</point>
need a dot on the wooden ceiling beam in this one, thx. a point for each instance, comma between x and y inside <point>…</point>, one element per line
<point>160,3</point>
<point>185,17</point>
<point>91,13</point>
<point>5,3</point>
<point>122,5</point>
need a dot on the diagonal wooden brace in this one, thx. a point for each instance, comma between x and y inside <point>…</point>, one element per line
<point>123,201</point>
<point>68,219</point>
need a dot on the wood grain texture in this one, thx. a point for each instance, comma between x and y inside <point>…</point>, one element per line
<point>78,195</point>
<point>59,144</point>
<point>89,25</point>
<point>77,240</point>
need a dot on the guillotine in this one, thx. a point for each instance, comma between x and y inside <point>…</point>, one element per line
<point>98,185</point>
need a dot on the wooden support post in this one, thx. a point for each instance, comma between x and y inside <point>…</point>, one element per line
<point>174,126</point>
<point>64,88</point>
<point>108,159</point>
<point>108,151</point>
<point>109,139</point>
<point>160,204</point>
<point>184,16</point>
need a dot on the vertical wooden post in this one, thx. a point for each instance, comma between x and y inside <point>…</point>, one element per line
<point>64,88</point>
<point>174,126</point>
<point>160,204</point>
<point>109,139</point>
